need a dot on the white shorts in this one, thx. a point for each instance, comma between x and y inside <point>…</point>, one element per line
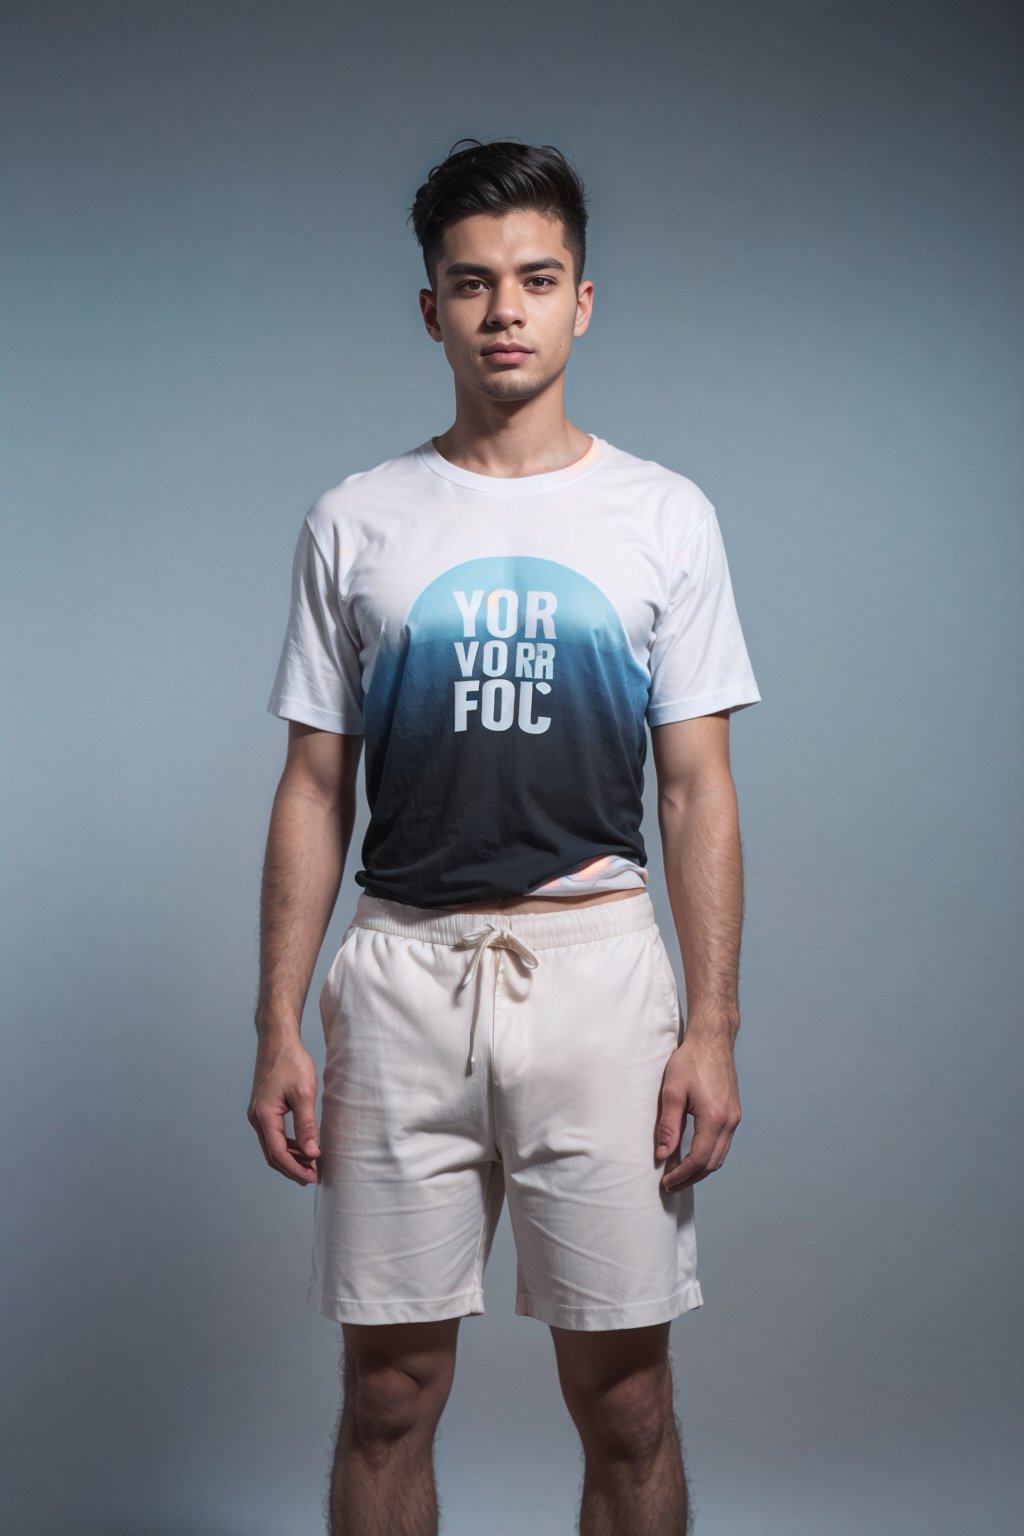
<point>470,1056</point>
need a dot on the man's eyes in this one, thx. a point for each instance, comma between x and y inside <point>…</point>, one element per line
<point>537,279</point>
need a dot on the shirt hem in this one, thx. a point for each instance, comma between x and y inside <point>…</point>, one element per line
<point>310,714</point>
<point>706,704</point>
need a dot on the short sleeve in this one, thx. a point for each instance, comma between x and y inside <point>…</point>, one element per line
<point>318,677</point>
<point>699,662</point>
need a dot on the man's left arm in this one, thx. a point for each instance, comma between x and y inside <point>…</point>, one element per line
<point>699,821</point>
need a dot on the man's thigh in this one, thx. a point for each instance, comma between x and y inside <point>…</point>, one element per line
<point>581,1047</point>
<point>411,1185</point>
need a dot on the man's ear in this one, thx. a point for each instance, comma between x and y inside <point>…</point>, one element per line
<point>584,306</point>
<point>428,309</point>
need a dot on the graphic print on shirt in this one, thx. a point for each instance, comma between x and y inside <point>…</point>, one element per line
<point>512,699</point>
<point>508,643</point>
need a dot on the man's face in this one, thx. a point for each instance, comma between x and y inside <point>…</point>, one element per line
<point>506,279</point>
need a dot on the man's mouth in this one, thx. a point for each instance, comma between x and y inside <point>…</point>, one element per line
<point>507,353</point>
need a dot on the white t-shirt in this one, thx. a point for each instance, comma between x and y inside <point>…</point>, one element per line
<point>500,644</point>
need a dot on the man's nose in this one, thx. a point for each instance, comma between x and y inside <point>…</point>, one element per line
<point>506,303</point>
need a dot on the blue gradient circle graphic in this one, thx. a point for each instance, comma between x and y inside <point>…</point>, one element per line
<point>503,654</point>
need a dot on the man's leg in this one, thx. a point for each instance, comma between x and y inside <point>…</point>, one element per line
<point>396,1379</point>
<point>617,1385</point>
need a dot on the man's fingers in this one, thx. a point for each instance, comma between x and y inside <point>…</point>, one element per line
<point>305,1159</point>
<point>701,1080</point>
<point>275,1095</point>
<point>259,1132</point>
<point>669,1128</point>
<point>307,1135</point>
<point>696,1159</point>
<point>706,1155</point>
<point>278,1146</point>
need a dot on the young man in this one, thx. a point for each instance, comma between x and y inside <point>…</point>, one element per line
<point>499,613</point>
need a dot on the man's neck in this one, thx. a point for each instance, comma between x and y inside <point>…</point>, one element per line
<point>513,447</point>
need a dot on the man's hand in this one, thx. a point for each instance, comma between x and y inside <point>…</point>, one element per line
<point>700,1079</point>
<point>285,1079</point>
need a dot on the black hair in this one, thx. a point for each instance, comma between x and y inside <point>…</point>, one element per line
<point>496,178</point>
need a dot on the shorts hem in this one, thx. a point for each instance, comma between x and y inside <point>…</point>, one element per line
<point>428,1309</point>
<point>636,1315</point>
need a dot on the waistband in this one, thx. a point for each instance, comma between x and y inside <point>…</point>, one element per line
<point>538,930</point>
<point>522,933</point>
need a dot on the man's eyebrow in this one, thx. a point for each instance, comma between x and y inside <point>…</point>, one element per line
<point>473,269</point>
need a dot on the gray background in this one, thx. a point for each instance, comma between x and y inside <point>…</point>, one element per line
<point>804,219</point>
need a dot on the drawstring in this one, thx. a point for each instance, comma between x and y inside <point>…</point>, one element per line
<point>483,938</point>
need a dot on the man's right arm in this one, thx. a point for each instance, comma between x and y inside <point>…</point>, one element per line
<point>310,830</point>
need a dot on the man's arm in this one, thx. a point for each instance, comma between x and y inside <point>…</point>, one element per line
<point>307,844</point>
<point>699,821</point>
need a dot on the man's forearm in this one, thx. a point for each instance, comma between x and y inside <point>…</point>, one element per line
<point>704,874</point>
<point>306,848</point>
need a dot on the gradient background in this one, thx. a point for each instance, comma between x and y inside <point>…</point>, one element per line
<point>804,224</point>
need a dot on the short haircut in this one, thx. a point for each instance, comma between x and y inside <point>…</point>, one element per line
<point>497,178</point>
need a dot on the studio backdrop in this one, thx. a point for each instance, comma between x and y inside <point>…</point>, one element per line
<point>803,223</point>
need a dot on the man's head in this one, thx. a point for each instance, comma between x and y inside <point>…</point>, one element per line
<point>499,178</point>
<point>503,233</point>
